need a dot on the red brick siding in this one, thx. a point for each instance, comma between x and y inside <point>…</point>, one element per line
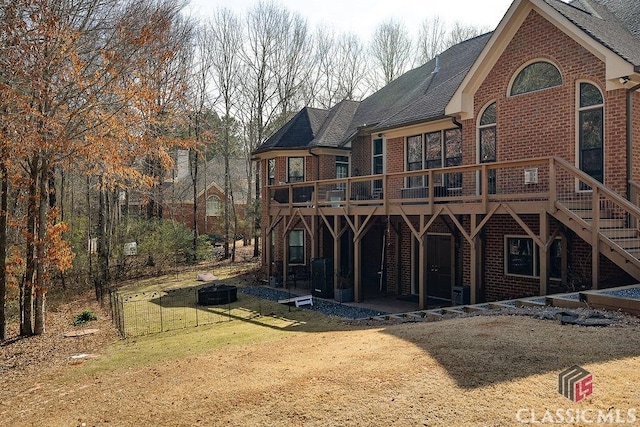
<point>542,123</point>
<point>636,138</point>
<point>361,156</point>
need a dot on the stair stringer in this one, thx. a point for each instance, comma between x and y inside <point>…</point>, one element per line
<point>607,247</point>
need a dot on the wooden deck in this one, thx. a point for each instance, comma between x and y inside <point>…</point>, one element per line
<point>546,187</point>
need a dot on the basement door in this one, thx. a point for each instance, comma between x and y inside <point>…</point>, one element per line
<point>439,266</point>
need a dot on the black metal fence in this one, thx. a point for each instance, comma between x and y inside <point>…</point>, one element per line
<point>144,313</point>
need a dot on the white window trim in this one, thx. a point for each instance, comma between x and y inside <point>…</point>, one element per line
<point>304,167</point>
<point>269,171</point>
<point>478,128</point>
<point>384,156</point>
<point>536,257</point>
<point>577,131</point>
<point>384,153</point>
<point>406,156</point>
<point>218,210</point>
<point>304,247</point>
<point>534,248</point>
<point>525,65</point>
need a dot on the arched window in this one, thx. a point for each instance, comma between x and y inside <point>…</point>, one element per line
<point>591,131</point>
<point>214,207</point>
<point>536,76</point>
<point>487,141</point>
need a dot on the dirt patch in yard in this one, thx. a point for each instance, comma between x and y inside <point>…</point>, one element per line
<point>471,371</point>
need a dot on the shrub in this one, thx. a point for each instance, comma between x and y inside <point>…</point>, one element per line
<point>84,317</point>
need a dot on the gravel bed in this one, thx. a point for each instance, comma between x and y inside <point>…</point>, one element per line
<point>633,293</point>
<point>323,306</point>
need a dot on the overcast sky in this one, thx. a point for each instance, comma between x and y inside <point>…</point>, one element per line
<point>362,16</point>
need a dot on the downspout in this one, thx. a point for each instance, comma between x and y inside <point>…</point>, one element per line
<point>630,136</point>
<point>456,122</point>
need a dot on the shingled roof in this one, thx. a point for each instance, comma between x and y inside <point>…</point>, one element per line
<point>434,84</point>
<point>422,94</point>
<point>613,23</point>
<point>298,132</point>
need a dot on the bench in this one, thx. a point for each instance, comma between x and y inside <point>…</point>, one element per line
<point>302,300</point>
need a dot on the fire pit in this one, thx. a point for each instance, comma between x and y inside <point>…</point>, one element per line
<point>217,294</point>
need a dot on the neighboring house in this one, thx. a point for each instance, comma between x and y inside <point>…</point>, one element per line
<point>509,166</point>
<point>178,194</point>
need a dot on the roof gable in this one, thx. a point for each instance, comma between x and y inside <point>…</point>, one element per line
<point>297,132</point>
<point>403,100</point>
<point>616,66</point>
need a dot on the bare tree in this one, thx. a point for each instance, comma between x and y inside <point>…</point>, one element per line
<point>321,87</point>
<point>291,60</point>
<point>431,39</point>
<point>260,92</point>
<point>391,51</point>
<point>226,46</point>
<point>351,68</point>
<point>460,32</point>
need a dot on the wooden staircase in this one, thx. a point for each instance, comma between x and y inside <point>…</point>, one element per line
<point>616,236</point>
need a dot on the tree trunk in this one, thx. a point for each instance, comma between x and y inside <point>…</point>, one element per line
<point>258,213</point>
<point>102,277</point>
<point>40,288</point>
<point>4,205</point>
<point>227,189</point>
<point>26,306</point>
<point>193,160</point>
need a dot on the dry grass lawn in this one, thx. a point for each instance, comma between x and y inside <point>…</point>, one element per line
<point>281,367</point>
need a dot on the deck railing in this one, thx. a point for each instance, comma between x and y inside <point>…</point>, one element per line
<point>524,180</point>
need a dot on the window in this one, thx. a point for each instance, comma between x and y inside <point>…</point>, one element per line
<point>271,171</point>
<point>453,156</point>
<point>295,169</point>
<point>590,132</point>
<point>440,149</point>
<point>522,257</point>
<point>342,170</point>
<point>487,135</point>
<point>214,207</point>
<point>296,247</point>
<point>414,160</point>
<point>377,161</point>
<point>536,76</point>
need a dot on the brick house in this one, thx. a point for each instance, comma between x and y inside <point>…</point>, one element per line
<point>178,194</point>
<point>506,167</point>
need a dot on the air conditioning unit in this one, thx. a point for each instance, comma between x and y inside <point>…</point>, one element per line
<point>531,176</point>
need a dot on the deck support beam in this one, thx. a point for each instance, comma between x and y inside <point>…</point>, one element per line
<point>544,253</point>
<point>595,239</point>
<point>474,261</point>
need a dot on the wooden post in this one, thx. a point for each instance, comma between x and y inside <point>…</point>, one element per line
<point>553,193</point>
<point>544,253</point>
<point>285,254</point>
<point>336,250</point>
<point>473,273</point>
<point>357,270</point>
<point>595,239</point>
<point>422,273</point>
<point>314,233</point>
<point>266,244</point>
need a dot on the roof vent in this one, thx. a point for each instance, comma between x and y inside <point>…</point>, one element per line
<point>437,67</point>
